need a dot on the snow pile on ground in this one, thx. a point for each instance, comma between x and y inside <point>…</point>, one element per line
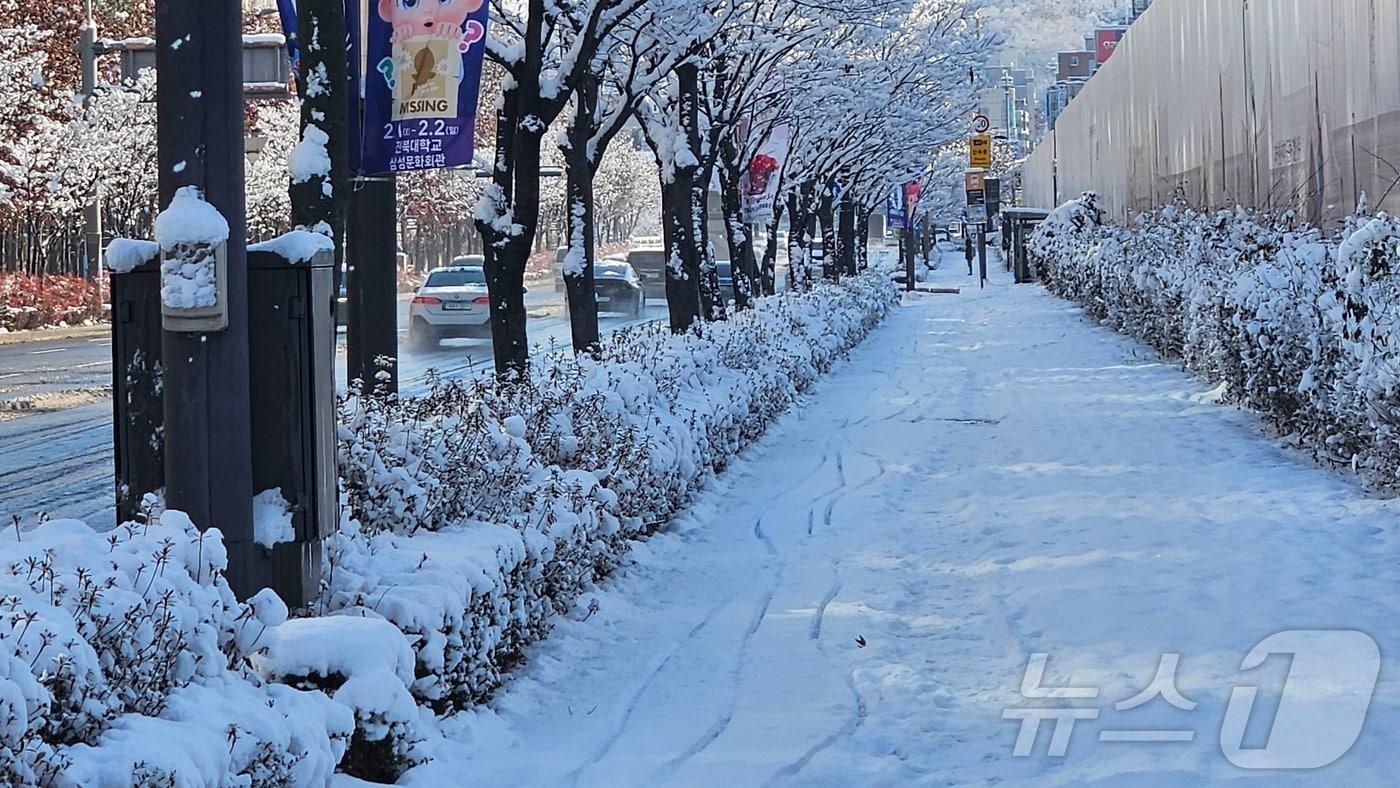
<point>480,511</point>
<point>125,662</point>
<point>1299,326</point>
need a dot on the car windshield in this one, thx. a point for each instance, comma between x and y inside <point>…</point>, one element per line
<point>614,269</point>
<point>456,278</point>
<point>722,267</point>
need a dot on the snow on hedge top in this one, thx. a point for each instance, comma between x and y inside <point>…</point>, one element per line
<point>346,646</point>
<point>125,255</point>
<point>190,220</point>
<point>297,246</point>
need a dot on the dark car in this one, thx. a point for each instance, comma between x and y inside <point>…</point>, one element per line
<point>726,279</point>
<point>650,265</point>
<point>618,288</point>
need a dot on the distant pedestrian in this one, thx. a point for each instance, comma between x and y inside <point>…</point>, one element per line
<point>967,247</point>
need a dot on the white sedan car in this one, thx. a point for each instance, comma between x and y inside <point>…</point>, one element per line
<point>451,303</point>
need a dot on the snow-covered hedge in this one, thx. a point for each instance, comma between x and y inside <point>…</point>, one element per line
<point>124,661</point>
<point>479,511</point>
<point>474,515</point>
<point>1297,325</point>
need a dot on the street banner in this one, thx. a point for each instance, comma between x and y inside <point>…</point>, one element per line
<point>764,174</point>
<point>287,13</point>
<point>912,192</point>
<point>422,83</point>
<point>894,210</point>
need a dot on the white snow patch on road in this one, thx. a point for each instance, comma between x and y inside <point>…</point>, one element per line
<point>857,602</point>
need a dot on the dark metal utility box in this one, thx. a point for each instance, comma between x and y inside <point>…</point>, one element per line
<point>137,414</point>
<point>292,337</point>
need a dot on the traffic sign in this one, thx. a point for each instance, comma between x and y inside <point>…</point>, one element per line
<point>980,151</point>
<point>981,124</point>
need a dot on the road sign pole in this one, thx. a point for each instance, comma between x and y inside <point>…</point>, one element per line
<point>982,254</point>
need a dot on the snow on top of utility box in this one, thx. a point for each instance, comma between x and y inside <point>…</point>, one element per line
<point>125,255</point>
<point>297,246</point>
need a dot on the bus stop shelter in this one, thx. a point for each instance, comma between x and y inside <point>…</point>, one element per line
<point>1020,223</point>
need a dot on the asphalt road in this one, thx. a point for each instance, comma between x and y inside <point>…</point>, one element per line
<point>56,459</point>
<point>47,374</point>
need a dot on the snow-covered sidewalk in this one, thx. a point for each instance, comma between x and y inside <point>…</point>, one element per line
<point>988,478</point>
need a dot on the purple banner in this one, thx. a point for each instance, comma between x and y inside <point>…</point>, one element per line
<point>422,84</point>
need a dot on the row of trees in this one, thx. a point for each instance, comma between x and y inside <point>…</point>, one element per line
<point>869,91</point>
<point>58,155</point>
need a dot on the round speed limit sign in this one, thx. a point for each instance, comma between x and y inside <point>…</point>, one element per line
<point>981,124</point>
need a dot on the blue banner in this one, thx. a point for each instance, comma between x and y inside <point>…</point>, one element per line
<point>287,12</point>
<point>422,83</point>
<point>894,210</point>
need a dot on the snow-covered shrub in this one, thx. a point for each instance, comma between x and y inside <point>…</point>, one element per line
<point>364,663</point>
<point>479,511</point>
<point>1303,328</point>
<point>111,643</point>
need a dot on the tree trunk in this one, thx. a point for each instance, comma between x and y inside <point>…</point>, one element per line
<point>743,263</point>
<point>770,252</point>
<point>863,242</point>
<point>799,239</point>
<point>516,181</point>
<point>684,250</point>
<point>682,271</point>
<point>578,265</point>
<point>323,22</point>
<point>846,262</point>
<point>713,303</point>
<point>831,240</point>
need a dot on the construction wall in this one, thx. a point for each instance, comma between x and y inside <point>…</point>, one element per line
<point>1278,104</point>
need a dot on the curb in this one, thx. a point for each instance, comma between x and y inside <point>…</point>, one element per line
<point>42,334</point>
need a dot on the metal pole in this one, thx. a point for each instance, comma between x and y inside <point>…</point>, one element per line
<point>372,332</point>
<point>982,254</point>
<point>199,104</point>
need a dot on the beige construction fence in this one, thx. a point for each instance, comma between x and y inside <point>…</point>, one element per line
<point>1277,104</point>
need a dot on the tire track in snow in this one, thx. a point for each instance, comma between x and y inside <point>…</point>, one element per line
<point>763,537</point>
<point>848,729</point>
<point>815,632</point>
<point>721,723</point>
<point>635,700</point>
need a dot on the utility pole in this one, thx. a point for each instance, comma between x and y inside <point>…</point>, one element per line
<point>199,128</point>
<point>371,332</point>
<point>92,211</point>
